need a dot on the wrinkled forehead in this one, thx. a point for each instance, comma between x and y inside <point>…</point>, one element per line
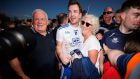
<point>108,9</point>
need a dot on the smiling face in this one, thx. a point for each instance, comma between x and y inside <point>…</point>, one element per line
<point>107,15</point>
<point>86,26</point>
<point>74,14</point>
<point>40,22</point>
<point>89,24</point>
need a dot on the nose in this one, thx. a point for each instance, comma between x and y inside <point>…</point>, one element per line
<point>138,20</point>
<point>72,13</point>
<point>39,21</point>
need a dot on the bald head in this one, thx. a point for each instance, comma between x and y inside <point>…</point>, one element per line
<point>39,11</point>
<point>108,9</point>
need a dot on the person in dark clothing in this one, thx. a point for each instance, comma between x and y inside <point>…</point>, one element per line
<point>130,22</point>
<point>115,39</point>
<point>41,61</point>
<point>125,61</point>
<point>108,22</point>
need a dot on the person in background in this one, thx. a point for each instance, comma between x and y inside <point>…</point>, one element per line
<point>99,35</point>
<point>62,19</point>
<point>108,22</point>
<point>52,25</point>
<point>69,37</point>
<point>117,17</point>
<point>29,23</point>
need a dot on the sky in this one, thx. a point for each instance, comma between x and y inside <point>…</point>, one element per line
<point>24,8</point>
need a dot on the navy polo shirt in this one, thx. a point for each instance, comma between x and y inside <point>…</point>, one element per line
<point>43,55</point>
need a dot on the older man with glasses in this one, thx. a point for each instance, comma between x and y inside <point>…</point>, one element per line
<point>108,22</point>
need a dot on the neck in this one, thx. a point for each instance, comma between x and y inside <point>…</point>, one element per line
<point>124,30</point>
<point>86,36</point>
<point>43,33</point>
<point>108,22</point>
<point>75,24</point>
<point>63,24</point>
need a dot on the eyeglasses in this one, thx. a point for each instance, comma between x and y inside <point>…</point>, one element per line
<point>87,24</point>
<point>109,12</point>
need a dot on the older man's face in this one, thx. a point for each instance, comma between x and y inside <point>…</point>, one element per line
<point>107,14</point>
<point>40,22</point>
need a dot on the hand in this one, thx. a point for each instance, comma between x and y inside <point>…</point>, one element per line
<point>65,58</point>
<point>25,77</point>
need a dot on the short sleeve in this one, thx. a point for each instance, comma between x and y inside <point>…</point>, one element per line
<point>94,44</point>
<point>59,35</point>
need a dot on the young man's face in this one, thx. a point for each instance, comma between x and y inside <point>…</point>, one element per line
<point>131,18</point>
<point>74,14</point>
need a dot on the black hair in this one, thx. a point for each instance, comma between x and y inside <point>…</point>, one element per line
<point>118,11</point>
<point>61,18</point>
<point>75,2</point>
<point>130,4</point>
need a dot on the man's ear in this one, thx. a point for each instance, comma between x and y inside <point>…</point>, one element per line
<point>80,15</point>
<point>123,15</point>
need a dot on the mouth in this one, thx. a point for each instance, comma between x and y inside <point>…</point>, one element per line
<point>39,25</point>
<point>72,18</point>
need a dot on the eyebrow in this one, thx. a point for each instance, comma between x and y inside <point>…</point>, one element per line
<point>137,14</point>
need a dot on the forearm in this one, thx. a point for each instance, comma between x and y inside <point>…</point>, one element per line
<point>64,58</point>
<point>58,51</point>
<point>113,56</point>
<point>101,61</point>
<point>15,65</point>
<point>56,54</point>
<point>93,55</point>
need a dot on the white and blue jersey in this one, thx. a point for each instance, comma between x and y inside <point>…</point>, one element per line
<point>70,37</point>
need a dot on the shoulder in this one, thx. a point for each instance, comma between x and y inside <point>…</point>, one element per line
<point>93,38</point>
<point>63,27</point>
<point>112,32</point>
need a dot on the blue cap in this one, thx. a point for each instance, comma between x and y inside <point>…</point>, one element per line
<point>115,42</point>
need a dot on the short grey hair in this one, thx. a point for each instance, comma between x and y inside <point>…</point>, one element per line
<point>94,22</point>
<point>39,10</point>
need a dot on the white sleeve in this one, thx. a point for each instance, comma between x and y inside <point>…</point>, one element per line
<point>59,35</point>
<point>94,44</point>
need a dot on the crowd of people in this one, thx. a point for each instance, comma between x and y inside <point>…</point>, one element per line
<point>79,45</point>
